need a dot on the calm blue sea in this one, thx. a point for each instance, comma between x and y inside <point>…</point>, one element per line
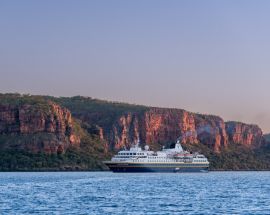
<point>110,193</point>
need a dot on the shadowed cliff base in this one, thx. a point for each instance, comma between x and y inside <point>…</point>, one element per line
<point>77,133</point>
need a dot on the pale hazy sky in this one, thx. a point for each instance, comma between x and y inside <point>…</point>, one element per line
<point>204,56</point>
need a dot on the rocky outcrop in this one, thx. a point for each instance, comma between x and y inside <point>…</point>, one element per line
<point>43,127</point>
<point>211,131</point>
<point>162,126</point>
<point>158,126</point>
<point>249,135</point>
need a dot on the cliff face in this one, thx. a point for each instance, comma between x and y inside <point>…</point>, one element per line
<point>163,126</point>
<point>47,128</point>
<point>250,135</point>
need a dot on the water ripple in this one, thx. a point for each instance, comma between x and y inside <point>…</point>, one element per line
<point>109,193</point>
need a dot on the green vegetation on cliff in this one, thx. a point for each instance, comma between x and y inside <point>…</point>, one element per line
<point>15,100</point>
<point>235,157</point>
<point>88,156</point>
<point>73,159</point>
<point>101,112</point>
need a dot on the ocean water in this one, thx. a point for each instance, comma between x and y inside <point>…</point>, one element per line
<point>152,193</point>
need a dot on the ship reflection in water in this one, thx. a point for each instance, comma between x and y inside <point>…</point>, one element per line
<point>137,159</point>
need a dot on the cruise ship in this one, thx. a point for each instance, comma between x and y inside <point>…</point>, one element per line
<point>175,160</point>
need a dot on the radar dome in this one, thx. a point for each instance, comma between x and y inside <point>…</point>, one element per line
<point>146,147</point>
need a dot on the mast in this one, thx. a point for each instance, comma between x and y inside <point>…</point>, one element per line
<point>138,143</point>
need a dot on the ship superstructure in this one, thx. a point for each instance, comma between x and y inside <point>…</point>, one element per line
<point>176,159</point>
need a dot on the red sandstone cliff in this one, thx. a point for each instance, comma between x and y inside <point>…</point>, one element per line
<point>37,127</point>
<point>162,126</point>
<point>250,135</point>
